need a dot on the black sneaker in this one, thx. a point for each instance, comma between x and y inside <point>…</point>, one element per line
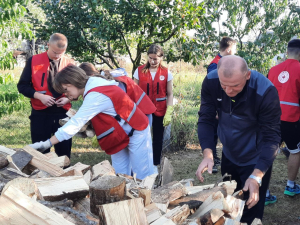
<point>215,169</point>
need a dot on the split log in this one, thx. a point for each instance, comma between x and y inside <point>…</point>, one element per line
<point>21,159</point>
<point>58,188</point>
<point>145,194</point>
<point>87,177</point>
<point>54,170</point>
<point>214,201</point>
<point>236,207</point>
<point>25,185</point>
<point>103,168</point>
<point>61,161</point>
<point>80,167</point>
<point>256,221</point>
<point>105,190</point>
<point>229,185</point>
<point>72,172</point>
<point>83,205</point>
<point>6,151</point>
<point>199,196</point>
<point>35,153</point>
<point>126,212</point>
<point>178,214</point>
<point>51,155</point>
<point>163,221</point>
<point>152,213</point>
<point>211,217</point>
<point>167,172</point>
<point>3,161</point>
<point>20,209</point>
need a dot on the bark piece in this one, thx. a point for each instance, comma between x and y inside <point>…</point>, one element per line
<point>21,159</point>
<point>105,190</point>
<point>126,212</point>
<point>61,161</point>
<point>58,188</point>
<point>145,194</point>
<point>54,170</point>
<point>152,213</point>
<point>20,209</point>
<point>3,161</point>
<point>178,214</point>
<point>211,217</point>
<point>167,172</point>
<point>103,168</point>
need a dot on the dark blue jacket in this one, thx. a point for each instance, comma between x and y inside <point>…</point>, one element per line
<point>249,130</point>
<point>213,66</point>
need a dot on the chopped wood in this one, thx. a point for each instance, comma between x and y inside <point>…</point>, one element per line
<point>214,201</point>
<point>148,182</point>
<point>236,206</point>
<point>17,172</point>
<point>105,190</point>
<point>229,185</point>
<point>6,151</point>
<point>80,167</point>
<point>199,196</point>
<point>3,161</point>
<point>168,192</point>
<point>256,221</point>
<point>87,177</point>
<point>126,212</point>
<point>102,168</point>
<point>8,174</point>
<point>130,196</point>
<point>47,166</point>
<point>35,153</point>
<point>83,205</point>
<point>20,209</point>
<point>73,172</point>
<point>163,221</point>
<point>25,185</point>
<point>178,214</point>
<point>152,212</point>
<point>61,161</point>
<point>51,155</point>
<point>21,159</point>
<point>187,182</point>
<point>58,188</point>
<point>211,217</point>
<point>145,194</point>
<point>167,172</point>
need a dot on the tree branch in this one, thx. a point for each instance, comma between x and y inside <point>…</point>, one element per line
<point>111,56</point>
<point>126,45</point>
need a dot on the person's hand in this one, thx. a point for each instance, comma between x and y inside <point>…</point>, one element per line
<point>206,164</point>
<point>42,145</point>
<point>47,100</point>
<point>62,101</point>
<point>168,116</point>
<point>252,186</point>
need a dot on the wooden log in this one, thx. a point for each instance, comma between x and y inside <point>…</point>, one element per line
<point>148,182</point>
<point>87,177</point>
<point>152,212</point>
<point>51,155</point>
<point>80,167</point>
<point>105,190</point>
<point>103,168</point>
<point>61,161</point>
<point>167,172</point>
<point>214,201</point>
<point>229,185</point>
<point>72,172</point>
<point>20,209</point>
<point>3,161</point>
<point>199,196</point>
<point>25,185</point>
<point>178,214</point>
<point>145,194</point>
<point>47,166</point>
<point>58,188</point>
<point>21,159</point>
<point>35,153</point>
<point>256,221</point>
<point>236,206</point>
<point>6,151</point>
<point>211,217</point>
<point>126,212</point>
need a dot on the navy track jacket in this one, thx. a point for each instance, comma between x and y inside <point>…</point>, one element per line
<point>249,130</point>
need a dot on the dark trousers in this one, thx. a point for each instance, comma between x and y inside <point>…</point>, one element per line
<point>158,134</point>
<point>215,138</point>
<point>240,174</point>
<point>43,126</point>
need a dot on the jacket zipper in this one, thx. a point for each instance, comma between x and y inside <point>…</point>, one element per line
<point>43,77</point>
<point>148,89</point>
<point>157,87</point>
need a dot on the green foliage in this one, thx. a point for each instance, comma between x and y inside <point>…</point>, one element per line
<point>102,30</point>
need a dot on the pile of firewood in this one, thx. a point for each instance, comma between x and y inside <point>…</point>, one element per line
<point>35,189</point>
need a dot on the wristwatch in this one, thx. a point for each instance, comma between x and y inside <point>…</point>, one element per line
<point>256,178</point>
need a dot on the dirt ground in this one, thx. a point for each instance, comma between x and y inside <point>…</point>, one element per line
<point>284,212</point>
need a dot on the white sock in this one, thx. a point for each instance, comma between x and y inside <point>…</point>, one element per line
<point>290,183</point>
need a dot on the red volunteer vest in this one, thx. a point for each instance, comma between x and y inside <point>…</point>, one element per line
<point>137,95</point>
<point>156,89</point>
<point>111,136</point>
<point>215,60</point>
<point>286,78</point>
<point>39,67</point>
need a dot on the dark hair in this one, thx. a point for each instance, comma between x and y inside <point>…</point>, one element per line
<point>157,50</point>
<point>226,42</point>
<point>91,70</point>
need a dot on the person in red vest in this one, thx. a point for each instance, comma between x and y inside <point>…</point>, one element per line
<point>122,129</point>
<point>36,83</point>
<point>156,81</point>
<point>286,78</point>
<point>227,46</point>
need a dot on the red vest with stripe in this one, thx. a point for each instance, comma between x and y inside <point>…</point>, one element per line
<point>39,67</point>
<point>286,78</point>
<point>137,95</point>
<point>215,60</point>
<point>156,89</point>
<point>111,136</point>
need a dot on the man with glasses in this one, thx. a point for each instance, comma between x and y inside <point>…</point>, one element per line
<point>48,106</point>
<point>249,129</point>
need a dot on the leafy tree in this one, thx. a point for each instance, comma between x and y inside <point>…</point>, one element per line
<point>103,30</point>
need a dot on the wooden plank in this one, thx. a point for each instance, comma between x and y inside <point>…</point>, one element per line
<point>20,209</point>
<point>61,161</point>
<point>35,153</point>
<point>103,168</point>
<point>46,166</point>
<point>128,212</point>
<point>152,212</point>
<point>6,151</point>
<point>58,188</point>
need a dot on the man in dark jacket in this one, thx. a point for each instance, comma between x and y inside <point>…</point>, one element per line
<point>249,129</point>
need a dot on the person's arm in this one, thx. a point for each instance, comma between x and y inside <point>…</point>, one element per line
<point>211,67</point>
<point>170,93</point>
<point>206,122</point>
<point>136,76</point>
<point>25,85</point>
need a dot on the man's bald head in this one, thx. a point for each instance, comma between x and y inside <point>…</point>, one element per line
<point>232,64</point>
<point>59,40</point>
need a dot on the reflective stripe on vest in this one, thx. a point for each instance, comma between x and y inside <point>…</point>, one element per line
<point>289,103</point>
<point>105,133</point>
<point>140,99</point>
<point>161,99</point>
<point>132,112</point>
